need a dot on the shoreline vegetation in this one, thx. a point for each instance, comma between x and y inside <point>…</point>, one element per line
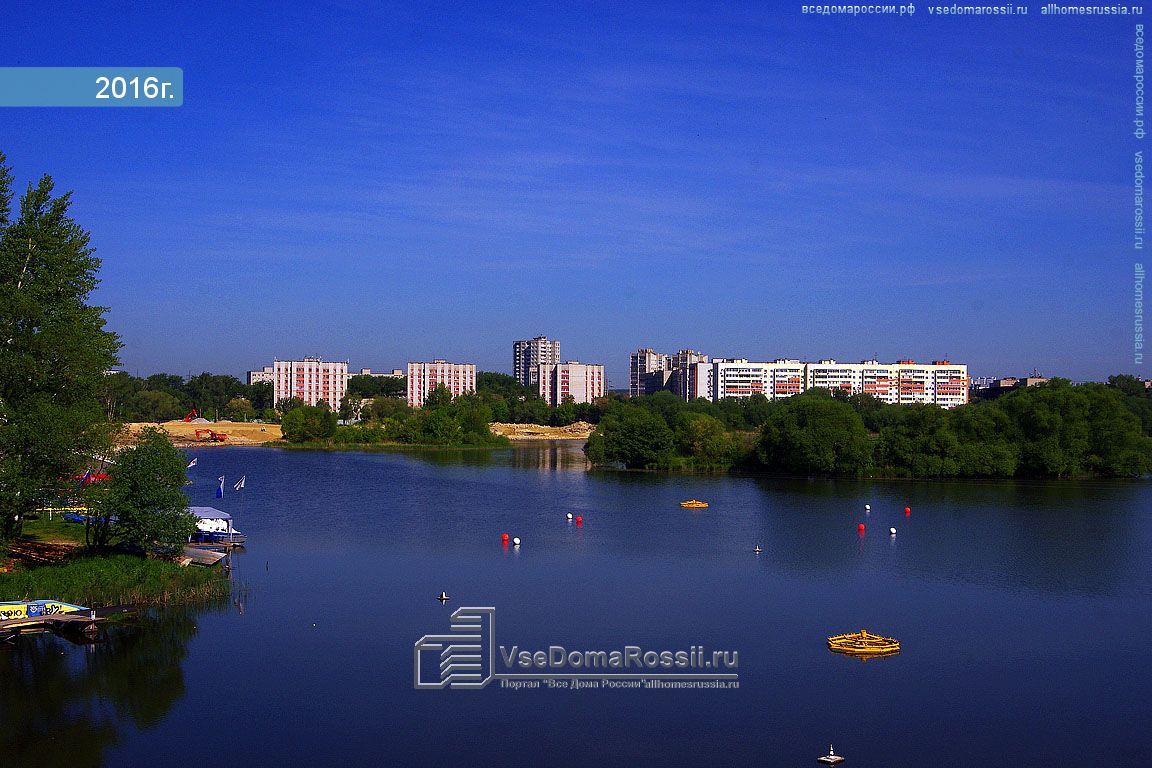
<point>1055,430</point>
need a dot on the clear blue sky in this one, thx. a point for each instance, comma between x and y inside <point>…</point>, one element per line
<point>383,183</point>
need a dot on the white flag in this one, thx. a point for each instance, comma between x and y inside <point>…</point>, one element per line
<point>240,483</point>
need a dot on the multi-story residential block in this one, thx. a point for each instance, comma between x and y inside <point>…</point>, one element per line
<point>943,383</point>
<point>683,379</point>
<point>397,373</point>
<point>459,378</point>
<point>583,383</point>
<point>265,374</point>
<point>310,379</point>
<point>529,354</point>
<point>642,362</point>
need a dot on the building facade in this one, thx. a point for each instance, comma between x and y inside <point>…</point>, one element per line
<point>583,383</point>
<point>310,379</point>
<point>528,355</point>
<point>641,363</point>
<point>941,382</point>
<point>265,374</point>
<point>459,378</point>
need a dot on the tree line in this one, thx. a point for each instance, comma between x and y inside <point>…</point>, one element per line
<point>1056,430</point>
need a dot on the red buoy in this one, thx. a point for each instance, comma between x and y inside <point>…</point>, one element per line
<point>907,511</point>
<point>504,538</point>
<point>860,527</point>
<point>579,520</point>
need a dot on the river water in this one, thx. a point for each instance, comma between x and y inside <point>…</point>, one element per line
<point>1022,609</point>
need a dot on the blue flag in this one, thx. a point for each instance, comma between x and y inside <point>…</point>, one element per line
<point>220,490</point>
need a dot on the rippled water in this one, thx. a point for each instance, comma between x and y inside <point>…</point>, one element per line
<point>1022,609</point>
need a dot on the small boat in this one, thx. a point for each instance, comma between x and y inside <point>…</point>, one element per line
<point>213,525</point>
<point>694,504</point>
<point>863,644</point>
<point>32,609</point>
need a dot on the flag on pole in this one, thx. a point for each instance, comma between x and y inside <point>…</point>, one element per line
<point>220,490</point>
<point>191,464</point>
<point>240,483</point>
<point>86,479</point>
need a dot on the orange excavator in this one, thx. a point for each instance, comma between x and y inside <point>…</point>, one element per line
<point>190,415</point>
<point>211,436</point>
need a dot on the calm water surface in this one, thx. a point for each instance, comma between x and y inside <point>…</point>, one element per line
<point>1023,609</point>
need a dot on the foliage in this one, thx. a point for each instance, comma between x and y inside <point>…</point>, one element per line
<point>367,386</point>
<point>634,437</point>
<point>240,409</point>
<point>115,580</point>
<point>54,350</point>
<point>144,493</point>
<point>815,434</point>
<point>308,422</point>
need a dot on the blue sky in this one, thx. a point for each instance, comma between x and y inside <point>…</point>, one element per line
<point>383,183</point>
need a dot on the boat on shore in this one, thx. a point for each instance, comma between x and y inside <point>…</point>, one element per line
<point>33,609</point>
<point>863,644</point>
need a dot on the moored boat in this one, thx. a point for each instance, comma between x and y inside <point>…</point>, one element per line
<point>694,504</point>
<point>215,525</point>
<point>863,644</point>
<point>31,609</point>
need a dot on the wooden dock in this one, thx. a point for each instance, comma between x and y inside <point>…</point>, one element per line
<point>84,624</point>
<point>80,626</point>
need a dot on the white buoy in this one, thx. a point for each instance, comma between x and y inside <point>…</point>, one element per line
<point>569,515</point>
<point>757,550</point>
<point>516,541</point>
<point>867,507</point>
<point>891,531</point>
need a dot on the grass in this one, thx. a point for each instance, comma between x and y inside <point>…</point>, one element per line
<point>103,580</point>
<point>55,530</point>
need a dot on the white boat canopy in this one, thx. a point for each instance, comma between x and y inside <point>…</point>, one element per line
<point>209,513</point>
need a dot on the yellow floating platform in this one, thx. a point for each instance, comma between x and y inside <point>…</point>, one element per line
<point>694,504</point>
<point>863,644</point>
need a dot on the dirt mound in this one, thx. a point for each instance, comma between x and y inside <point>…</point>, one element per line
<point>578,431</point>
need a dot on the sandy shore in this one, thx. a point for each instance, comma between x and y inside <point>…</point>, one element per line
<point>183,433</point>
<point>578,431</point>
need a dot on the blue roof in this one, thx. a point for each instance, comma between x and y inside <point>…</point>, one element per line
<point>209,513</point>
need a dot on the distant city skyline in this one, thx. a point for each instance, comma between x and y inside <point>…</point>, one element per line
<point>743,181</point>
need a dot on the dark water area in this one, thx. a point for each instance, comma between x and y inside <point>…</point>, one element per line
<point>1022,609</point>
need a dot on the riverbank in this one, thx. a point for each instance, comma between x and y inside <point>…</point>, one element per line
<point>183,433</point>
<point>50,562</point>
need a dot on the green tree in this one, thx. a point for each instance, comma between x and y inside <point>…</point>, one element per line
<point>261,395</point>
<point>144,492</point>
<point>704,441</point>
<point>308,422</point>
<point>54,350</point>
<point>813,434</point>
<point>288,404</point>
<point>150,405</point>
<point>633,436</point>
<point>240,409</point>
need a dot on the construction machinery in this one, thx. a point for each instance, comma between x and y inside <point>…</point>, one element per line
<point>210,436</point>
<point>190,415</point>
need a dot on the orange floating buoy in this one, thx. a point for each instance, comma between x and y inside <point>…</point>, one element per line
<point>504,538</point>
<point>907,511</point>
<point>860,527</point>
<point>579,520</point>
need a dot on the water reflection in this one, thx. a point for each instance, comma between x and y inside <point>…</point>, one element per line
<point>64,705</point>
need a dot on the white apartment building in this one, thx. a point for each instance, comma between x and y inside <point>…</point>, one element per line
<point>459,378</point>
<point>942,382</point>
<point>584,383</point>
<point>529,354</point>
<point>310,379</point>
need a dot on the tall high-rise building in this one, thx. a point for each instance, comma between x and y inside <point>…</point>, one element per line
<point>642,362</point>
<point>583,383</point>
<point>310,379</point>
<point>459,378</point>
<point>528,355</point>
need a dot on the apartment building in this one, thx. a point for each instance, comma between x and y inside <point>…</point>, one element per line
<point>641,363</point>
<point>584,383</point>
<point>942,382</point>
<point>459,378</point>
<point>311,379</point>
<point>529,354</point>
